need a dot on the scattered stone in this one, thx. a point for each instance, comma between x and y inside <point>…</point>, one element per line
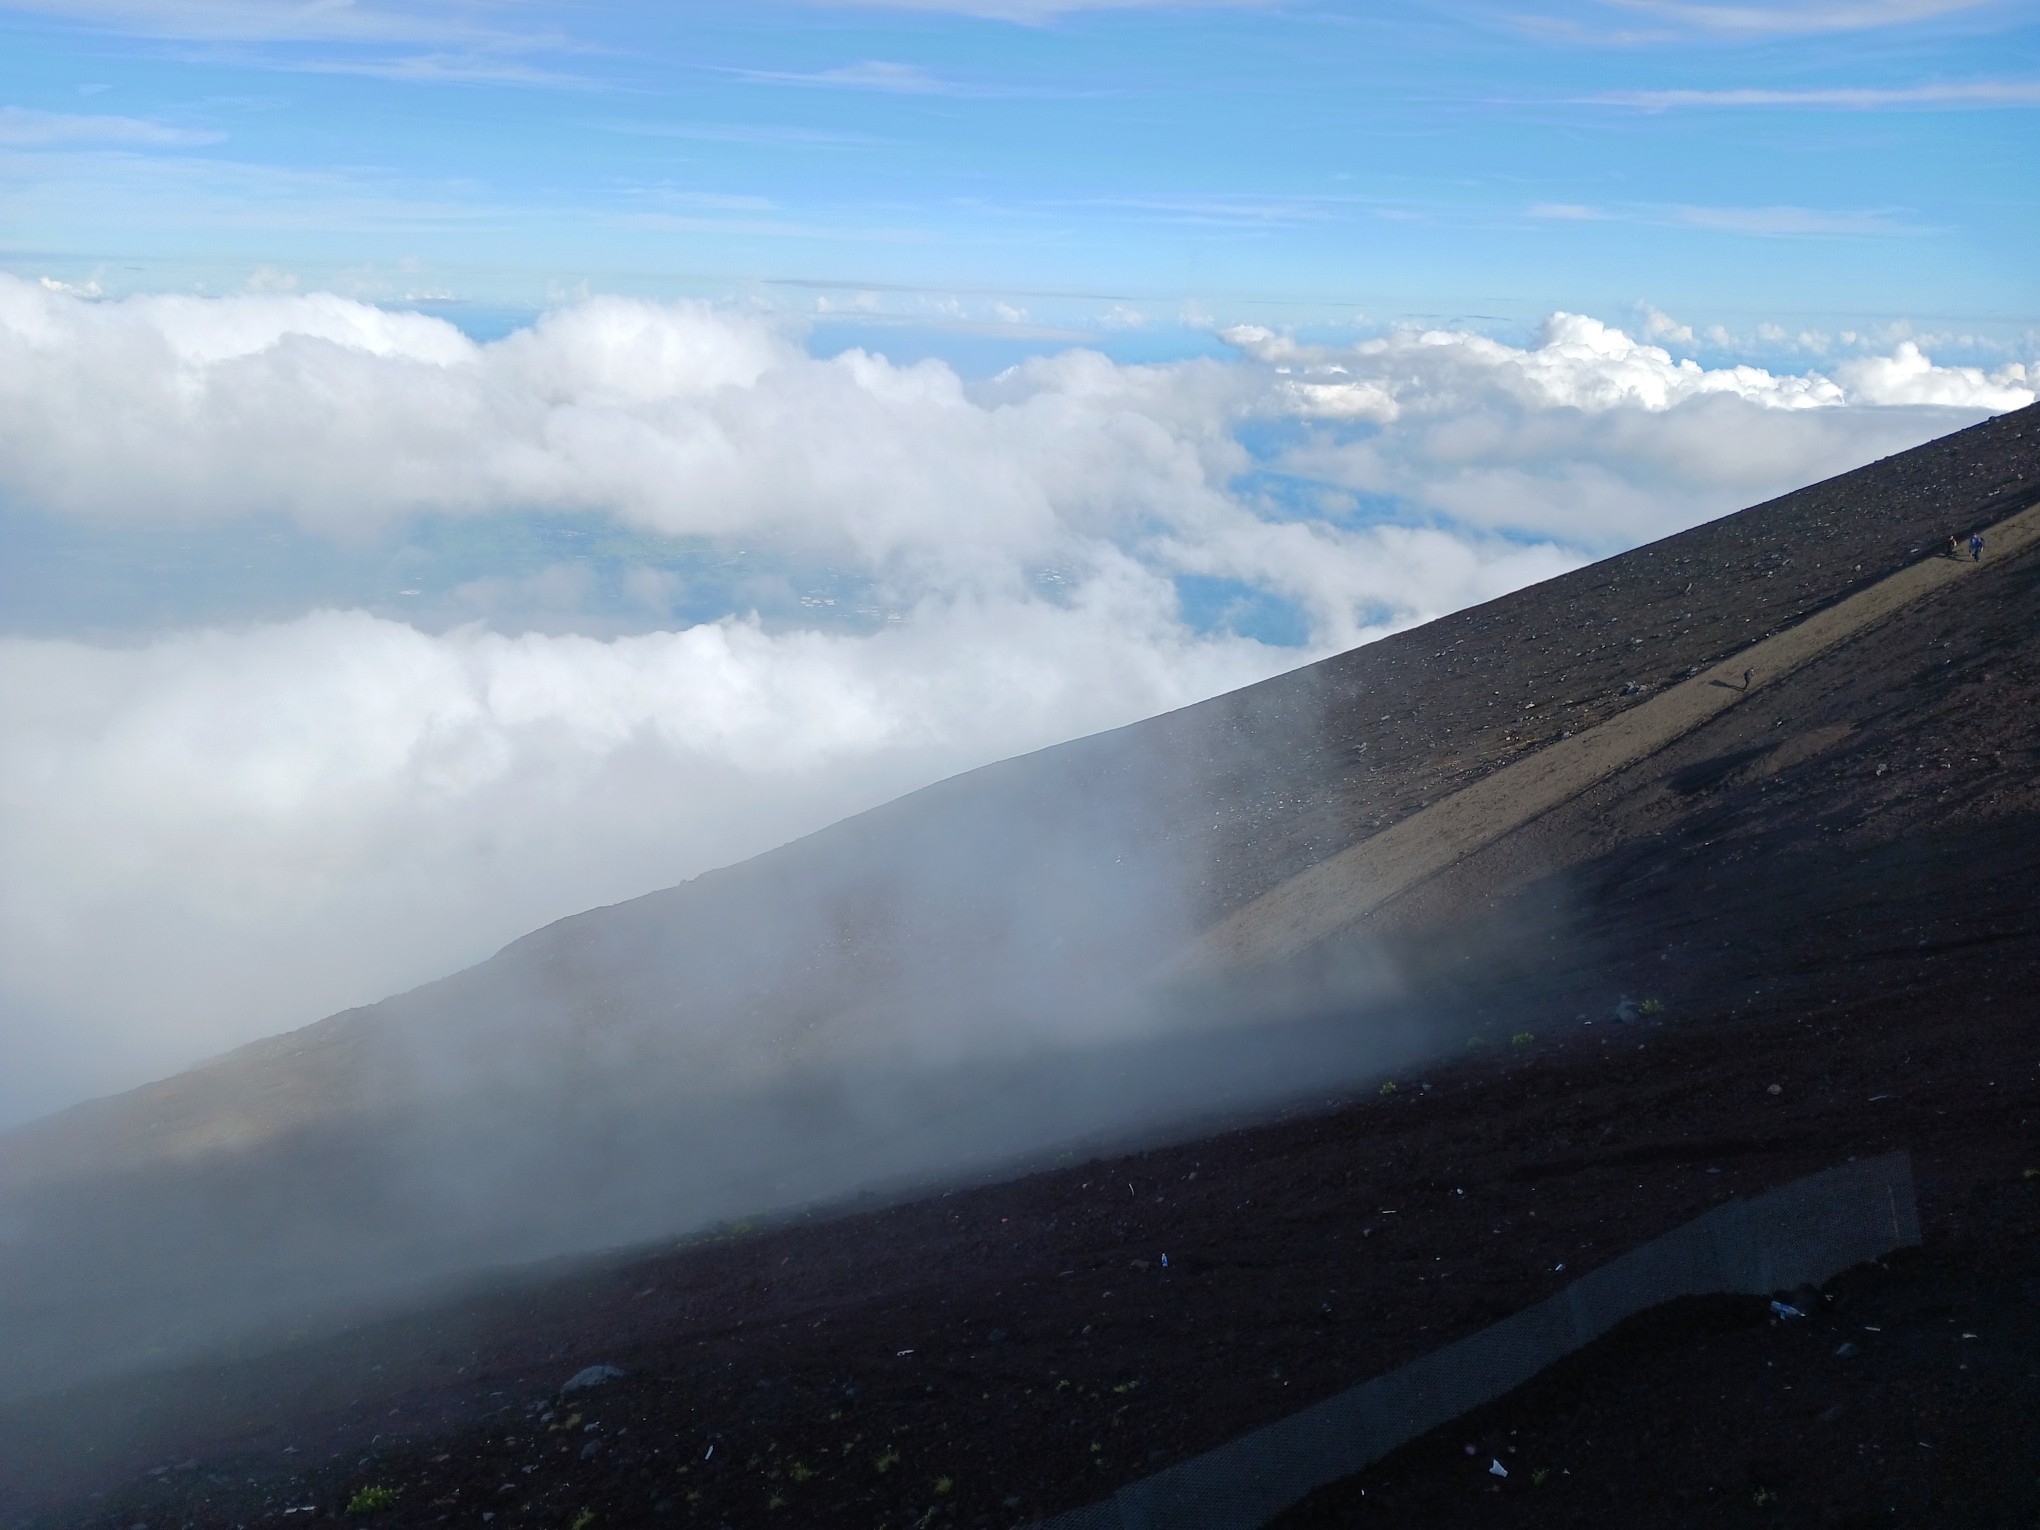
<point>592,1376</point>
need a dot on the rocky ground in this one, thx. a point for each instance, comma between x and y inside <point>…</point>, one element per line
<point>987,1356</point>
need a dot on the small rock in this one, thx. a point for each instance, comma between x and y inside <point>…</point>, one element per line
<point>590,1450</point>
<point>593,1376</point>
<point>1848,1348</point>
<point>1775,1089</point>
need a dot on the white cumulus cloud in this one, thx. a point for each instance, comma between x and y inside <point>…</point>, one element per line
<point>223,830</point>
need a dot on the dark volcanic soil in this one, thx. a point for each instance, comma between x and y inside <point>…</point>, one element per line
<point>1829,892</point>
<point>985,1357</point>
<point>1906,1397</point>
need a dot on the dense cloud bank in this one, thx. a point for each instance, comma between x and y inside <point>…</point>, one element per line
<point>218,833</point>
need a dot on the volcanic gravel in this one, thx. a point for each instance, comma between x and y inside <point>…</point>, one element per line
<point>991,1355</point>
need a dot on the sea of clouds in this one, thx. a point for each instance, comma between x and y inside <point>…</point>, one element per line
<point>217,830</point>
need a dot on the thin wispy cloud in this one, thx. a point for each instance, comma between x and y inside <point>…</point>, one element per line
<point>430,69</point>
<point>1245,210</point>
<point>1787,18</point>
<point>289,21</point>
<point>1790,222</point>
<point>1976,94</point>
<point>24,127</point>
<point>1632,23</point>
<point>1037,12</point>
<point>738,132</point>
<point>705,217</point>
<point>1760,222</point>
<point>428,43</point>
<point>1570,212</point>
<point>878,75</point>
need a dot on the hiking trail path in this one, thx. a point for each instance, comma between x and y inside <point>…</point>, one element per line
<point>1349,886</point>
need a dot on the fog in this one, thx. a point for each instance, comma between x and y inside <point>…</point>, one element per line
<point>958,983</point>
<point>222,829</point>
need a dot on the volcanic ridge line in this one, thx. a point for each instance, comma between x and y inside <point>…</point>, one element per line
<point>1359,880</point>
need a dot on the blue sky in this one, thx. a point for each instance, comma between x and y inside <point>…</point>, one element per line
<point>465,463</point>
<point>966,163</point>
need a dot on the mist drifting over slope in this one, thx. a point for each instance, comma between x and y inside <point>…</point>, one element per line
<point>821,581</point>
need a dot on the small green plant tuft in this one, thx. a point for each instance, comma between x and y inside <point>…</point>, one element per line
<point>944,1485</point>
<point>1541,1476</point>
<point>1522,1038</point>
<point>372,1500</point>
<point>584,1519</point>
<point>1388,1088</point>
<point>1652,1007</point>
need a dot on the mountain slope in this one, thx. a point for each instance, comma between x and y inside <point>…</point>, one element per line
<point>961,976</point>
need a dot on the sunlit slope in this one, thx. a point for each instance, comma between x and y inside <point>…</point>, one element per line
<point>961,974</point>
<point>1346,888</point>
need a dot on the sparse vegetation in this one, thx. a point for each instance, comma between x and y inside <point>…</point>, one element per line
<point>372,1500</point>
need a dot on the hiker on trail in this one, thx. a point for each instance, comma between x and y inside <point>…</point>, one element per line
<point>1953,550</point>
<point>1975,547</point>
<point>1746,678</point>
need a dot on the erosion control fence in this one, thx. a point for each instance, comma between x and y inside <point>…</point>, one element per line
<point>1804,1233</point>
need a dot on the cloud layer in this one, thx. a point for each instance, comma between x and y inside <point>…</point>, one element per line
<point>218,833</point>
